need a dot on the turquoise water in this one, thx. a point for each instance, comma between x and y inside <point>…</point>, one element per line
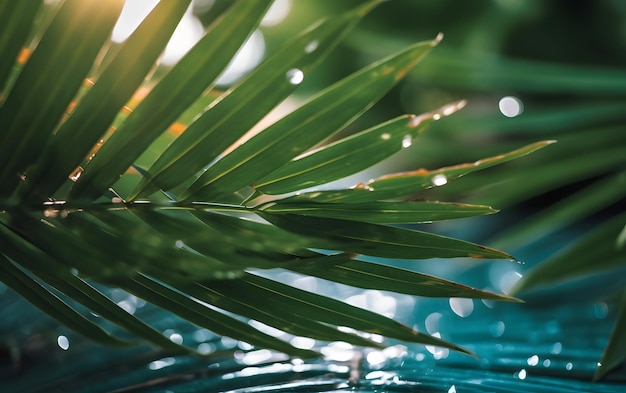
<point>552,343</point>
<point>522,348</point>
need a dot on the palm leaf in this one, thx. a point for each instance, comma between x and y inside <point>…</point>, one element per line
<point>94,194</point>
<point>581,105</point>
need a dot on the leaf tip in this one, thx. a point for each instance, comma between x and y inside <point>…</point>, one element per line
<point>446,110</point>
<point>437,39</point>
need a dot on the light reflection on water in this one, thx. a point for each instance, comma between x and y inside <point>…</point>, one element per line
<point>521,349</point>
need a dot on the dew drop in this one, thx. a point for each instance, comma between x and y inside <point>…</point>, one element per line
<point>452,389</point>
<point>312,46</point>
<point>50,213</point>
<point>521,374</point>
<point>53,213</point>
<point>173,336</point>
<point>176,338</point>
<point>295,76</point>
<point>510,106</point>
<point>439,180</point>
<point>385,136</point>
<point>63,342</point>
<point>533,360</point>
<point>75,175</point>
<point>569,366</point>
<point>407,141</point>
<point>161,363</point>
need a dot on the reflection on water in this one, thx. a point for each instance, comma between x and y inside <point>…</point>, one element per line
<point>521,348</point>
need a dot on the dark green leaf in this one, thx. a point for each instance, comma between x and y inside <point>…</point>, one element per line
<point>209,318</point>
<point>567,211</point>
<point>595,251</point>
<point>380,240</point>
<point>237,297</point>
<point>113,88</point>
<point>16,22</point>
<point>229,117</point>
<point>178,89</point>
<point>369,275</point>
<point>49,81</point>
<point>49,303</point>
<point>335,107</point>
<point>380,212</point>
<point>337,313</point>
<point>406,183</point>
<point>350,155</point>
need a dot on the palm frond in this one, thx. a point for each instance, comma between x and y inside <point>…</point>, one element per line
<point>580,105</point>
<point>96,192</point>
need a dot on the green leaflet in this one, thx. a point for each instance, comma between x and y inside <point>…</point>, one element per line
<point>112,89</point>
<point>406,183</point>
<point>193,257</point>
<point>350,155</point>
<point>172,95</point>
<point>16,18</point>
<point>379,212</point>
<point>49,81</point>
<point>599,246</point>
<point>336,312</point>
<point>381,240</point>
<point>60,277</point>
<point>567,211</point>
<point>186,307</point>
<point>299,131</point>
<point>49,303</point>
<point>237,297</point>
<point>369,275</point>
<point>233,114</point>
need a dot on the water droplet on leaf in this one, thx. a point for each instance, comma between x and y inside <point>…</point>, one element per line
<point>76,173</point>
<point>295,76</point>
<point>312,46</point>
<point>439,180</point>
<point>407,141</point>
